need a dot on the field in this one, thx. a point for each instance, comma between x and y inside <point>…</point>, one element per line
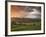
<point>25,25</point>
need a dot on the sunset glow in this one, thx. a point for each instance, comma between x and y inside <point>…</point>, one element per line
<point>17,11</point>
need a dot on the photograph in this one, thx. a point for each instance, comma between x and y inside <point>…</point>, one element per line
<point>25,18</point>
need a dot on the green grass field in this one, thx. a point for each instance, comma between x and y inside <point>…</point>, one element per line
<point>36,25</point>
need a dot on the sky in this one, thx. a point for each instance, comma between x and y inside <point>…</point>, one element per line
<point>25,11</point>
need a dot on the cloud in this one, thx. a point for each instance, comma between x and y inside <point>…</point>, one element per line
<point>34,15</point>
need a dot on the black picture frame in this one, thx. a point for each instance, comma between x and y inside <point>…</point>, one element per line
<point>6,20</point>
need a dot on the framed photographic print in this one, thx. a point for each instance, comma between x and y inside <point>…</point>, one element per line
<point>24,18</point>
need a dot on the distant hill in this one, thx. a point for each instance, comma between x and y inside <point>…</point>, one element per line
<point>24,20</point>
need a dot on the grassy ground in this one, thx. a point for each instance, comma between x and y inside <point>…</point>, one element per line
<point>36,25</point>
